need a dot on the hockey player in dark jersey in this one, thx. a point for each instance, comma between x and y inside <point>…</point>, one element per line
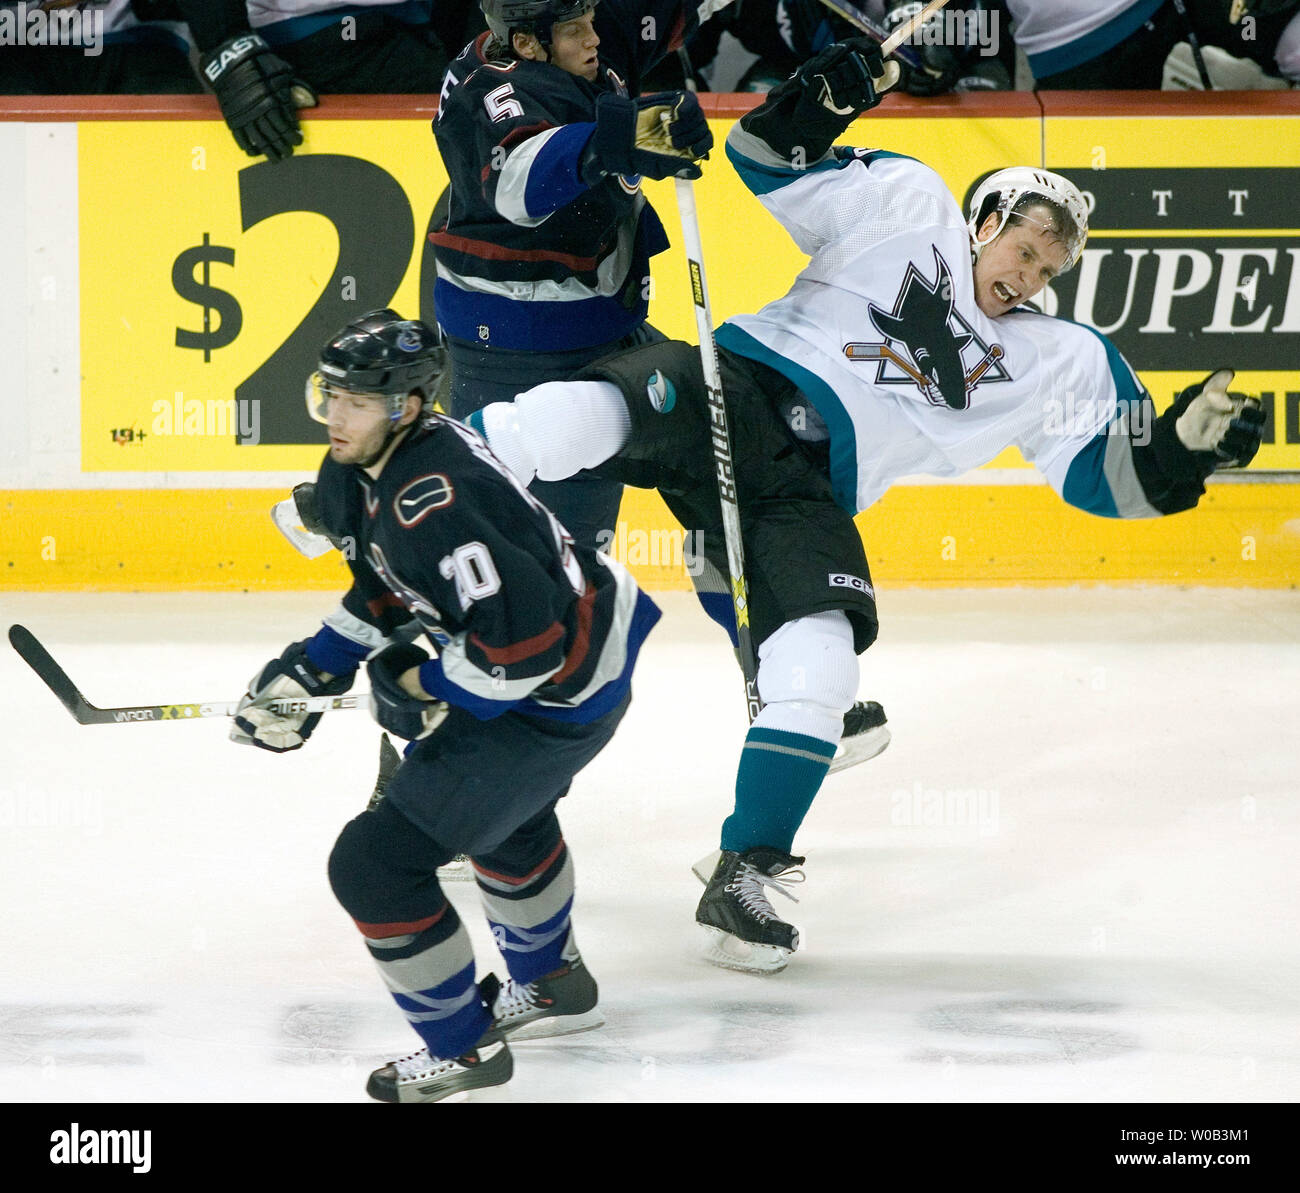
<point>535,640</point>
<point>903,347</point>
<point>544,260</point>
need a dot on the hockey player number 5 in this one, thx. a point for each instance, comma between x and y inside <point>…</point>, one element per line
<point>471,566</point>
<point>500,103</point>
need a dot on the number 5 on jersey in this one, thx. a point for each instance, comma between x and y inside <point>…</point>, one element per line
<point>501,104</point>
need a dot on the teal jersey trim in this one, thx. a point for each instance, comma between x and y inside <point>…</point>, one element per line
<point>1086,487</point>
<point>763,179</point>
<point>1093,45</point>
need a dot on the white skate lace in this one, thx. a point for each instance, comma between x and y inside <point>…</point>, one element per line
<point>514,1000</point>
<point>420,1065</point>
<point>748,886</point>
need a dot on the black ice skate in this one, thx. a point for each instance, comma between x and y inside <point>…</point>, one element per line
<point>742,928</point>
<point>865,735</point>
<point>557,1005</point>
<point>422,1077</point>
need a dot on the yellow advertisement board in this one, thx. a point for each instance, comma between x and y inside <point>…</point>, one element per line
<point>1193,261</point>
<point>210,281</point>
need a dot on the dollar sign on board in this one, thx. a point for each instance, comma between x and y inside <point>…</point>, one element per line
<point>209,297</point>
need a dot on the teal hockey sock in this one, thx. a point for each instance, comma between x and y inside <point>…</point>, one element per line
<point>779,775</point>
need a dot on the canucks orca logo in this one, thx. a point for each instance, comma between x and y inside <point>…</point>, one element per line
<point>938,350</point>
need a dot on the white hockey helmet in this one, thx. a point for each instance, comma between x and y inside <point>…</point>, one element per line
<point>1002,190</point>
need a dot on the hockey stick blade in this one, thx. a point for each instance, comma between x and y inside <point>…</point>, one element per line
<point>56,679</point>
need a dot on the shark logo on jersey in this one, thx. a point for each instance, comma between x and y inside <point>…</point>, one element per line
<point>929,343</point>
<point>661,391</point>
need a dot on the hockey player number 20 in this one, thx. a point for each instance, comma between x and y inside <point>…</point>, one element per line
<point>471,566</point>
<point>500,103</point>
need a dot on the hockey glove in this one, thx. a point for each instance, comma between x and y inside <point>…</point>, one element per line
<point>1209,419</point>
<point>848,77</point>
<point>292,676</point>
<point>655,136</point>
<point>258,94</point>
<point>392,705</point>
<point>940,65</point>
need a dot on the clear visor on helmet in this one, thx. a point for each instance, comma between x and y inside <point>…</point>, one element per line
<point>320,389</point>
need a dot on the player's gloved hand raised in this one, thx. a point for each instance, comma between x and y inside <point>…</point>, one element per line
<point>258,94</point>
<point>656,136</point>
<point>403,708</point>
<point>1209,419</point>
<point>290,677</point>
<point>940,65</point>
<point>847,77</point>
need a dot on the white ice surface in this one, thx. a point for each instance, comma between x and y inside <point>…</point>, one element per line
<point>1118,924</point>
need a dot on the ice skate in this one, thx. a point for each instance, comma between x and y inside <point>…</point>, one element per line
<point>422,1077</point>
<point>559,1004</point>
<point>865,735</point>
<point>742,929</point>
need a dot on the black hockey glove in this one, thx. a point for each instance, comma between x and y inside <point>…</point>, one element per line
<point>391,704</point>
<point>656,136</point>
<point>940,65</point>
<point>1221,430</point>
<point>848,77</point>
<point>290,677</point>
<point>258,94</point>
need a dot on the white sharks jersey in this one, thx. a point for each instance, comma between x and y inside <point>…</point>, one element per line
<point>1059,34</point>
<point>882,334</point>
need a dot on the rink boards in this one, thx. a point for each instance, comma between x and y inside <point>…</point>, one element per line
<point>176,291</point>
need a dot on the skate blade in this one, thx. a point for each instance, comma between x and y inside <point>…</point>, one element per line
<point>559,1025</point>
<point>859,748</point>
<point>730,952</point>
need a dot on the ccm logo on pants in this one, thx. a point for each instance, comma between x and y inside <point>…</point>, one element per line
<point>843,580</point>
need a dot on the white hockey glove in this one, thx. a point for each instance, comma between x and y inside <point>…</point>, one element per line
<point>291,676</point>
<point>1213,421</point>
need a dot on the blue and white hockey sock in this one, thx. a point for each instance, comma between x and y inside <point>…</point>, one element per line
<point>529,912</point>
<point>428,966</point>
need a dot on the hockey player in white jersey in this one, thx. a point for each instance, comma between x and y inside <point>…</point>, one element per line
<point>903,347</point>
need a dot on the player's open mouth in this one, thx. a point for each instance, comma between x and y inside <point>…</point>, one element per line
<point>1004,293</point>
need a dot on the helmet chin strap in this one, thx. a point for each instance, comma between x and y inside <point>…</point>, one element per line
<point>394,430</point>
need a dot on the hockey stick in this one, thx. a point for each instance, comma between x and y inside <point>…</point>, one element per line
<point>726,471</point>
<point>56,679</point>
<point>1195,42</point>
<point>896,39</point>
<point>859,19</point>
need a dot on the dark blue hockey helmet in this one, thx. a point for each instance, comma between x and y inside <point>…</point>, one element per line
<point>380,353</point>
<point>535,17</point>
